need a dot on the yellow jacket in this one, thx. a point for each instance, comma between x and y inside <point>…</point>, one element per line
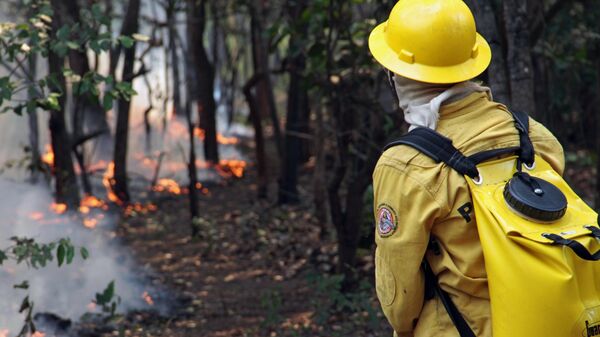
<point>414,197</point>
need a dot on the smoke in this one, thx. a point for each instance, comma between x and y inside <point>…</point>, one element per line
<point>66,291</point>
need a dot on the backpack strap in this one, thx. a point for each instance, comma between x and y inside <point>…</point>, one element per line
<point>459,321</point>
<point>438,148</point>
<point>526,151</point>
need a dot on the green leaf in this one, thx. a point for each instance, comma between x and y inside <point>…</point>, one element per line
<point>126,41</point>
<point>63,33</point>
<point>84,253</point>
<point>107,102</point>
<point>22,285</point>
<point>60,254</point>
<point>25,304</point>
<point>3,257</point>
<point>70,254</point>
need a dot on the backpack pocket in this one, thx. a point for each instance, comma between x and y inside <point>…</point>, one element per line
<point>539,283</point>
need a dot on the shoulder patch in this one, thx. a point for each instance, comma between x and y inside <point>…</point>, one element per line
<point>387,220</point>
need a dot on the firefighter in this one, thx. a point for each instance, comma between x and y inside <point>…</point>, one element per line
<point>432,51</point>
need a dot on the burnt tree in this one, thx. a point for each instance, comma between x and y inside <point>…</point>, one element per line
<point>67,189</point>
<point>205,77</point>
<point>130,26</point>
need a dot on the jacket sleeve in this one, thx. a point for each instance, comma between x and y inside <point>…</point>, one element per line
<point>404,213</point>
<point>547,146</point>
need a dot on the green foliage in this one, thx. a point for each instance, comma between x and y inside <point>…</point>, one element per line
<point>20,42</point>
<point>108,300</point>
<point>36,255</point>
<point>272,302</point>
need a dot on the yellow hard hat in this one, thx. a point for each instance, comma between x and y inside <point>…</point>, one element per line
<point>433,41</point>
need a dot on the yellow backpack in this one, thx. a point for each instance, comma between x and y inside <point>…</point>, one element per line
<point>540,240</point>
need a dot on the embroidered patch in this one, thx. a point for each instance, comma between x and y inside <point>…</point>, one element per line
<point>386,220</point>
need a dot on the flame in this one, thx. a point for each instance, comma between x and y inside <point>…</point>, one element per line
<point>4,333</point>
<point>147,298</point>
<point>221,139</point>
<point>227,168</point>
<point>108,182</point>
<point>48,157</point>
<point>140,208</point>
<point>38,334</point>
<point>58,208</point>
<point>90,223</point>
<point>91,307</point>
<point>168,185</point>
<point>36,216</point>
<point>90,201</point>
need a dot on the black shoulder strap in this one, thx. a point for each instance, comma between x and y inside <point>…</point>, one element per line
<point>526,152</point>
<point>459,322</point>
<point>438,148</point>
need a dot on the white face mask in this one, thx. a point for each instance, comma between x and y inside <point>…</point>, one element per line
<point>421,102</point>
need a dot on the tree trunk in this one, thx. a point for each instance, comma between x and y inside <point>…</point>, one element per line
<point>260,59</point>
<point>488,27</point>
<point>205,78</point>
<point>32,118</point>
<point>171,25</point>
<point>67,190</point>
<point>258,135</point>
<point>297,110</point>
<point>519,56</point>
<point>130,26</point>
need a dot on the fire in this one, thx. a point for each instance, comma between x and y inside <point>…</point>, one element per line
<point>91,307</point>
<point>37,216</point>
<point>58,208</point>
<point>168,185</point>
<point>3,333</point>
<point>90,201</point>
<point>227,168</point>
<point>108,181</point>
<point>221,139</point>
<point>90,223</point>
<point>48,158</point>
<point>38,334</point>
<point>147,298</point>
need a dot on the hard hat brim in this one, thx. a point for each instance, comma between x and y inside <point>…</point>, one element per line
<point>388,58</point>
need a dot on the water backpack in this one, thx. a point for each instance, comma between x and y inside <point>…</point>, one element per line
<point>540,240</point>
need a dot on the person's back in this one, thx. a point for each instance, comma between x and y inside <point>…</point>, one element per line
<point>427,199</point>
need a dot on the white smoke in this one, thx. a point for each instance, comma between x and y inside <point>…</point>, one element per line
<point>66,291</point>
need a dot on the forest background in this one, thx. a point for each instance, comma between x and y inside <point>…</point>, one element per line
<point>227,147</point>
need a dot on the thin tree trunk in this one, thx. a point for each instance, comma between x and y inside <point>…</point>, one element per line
<point>205,83</point>
<point>488,27</point>
<point>171,19</point>
<point>32,118</point>
<point>258,135</point>
<point>191,165</point>
<point>67,190</point>
<point>264,90</point>
<point>297,111</point>
<point>320,175</point>
<point>130,26</point>
<point>519,56</point>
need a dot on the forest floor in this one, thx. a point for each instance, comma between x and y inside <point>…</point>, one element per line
<point>258,269</point>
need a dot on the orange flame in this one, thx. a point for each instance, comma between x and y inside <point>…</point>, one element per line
<point>48,158</point>
<point>168,185</point>
<point>90,223</point>
<point>221,139</point>
<point>227,168</point>
<point>38,334</point>
<point>3,333</point>
<point>108,182</point>
<point>58,208</point>
<point>147,298</point>
<point>36,216</point>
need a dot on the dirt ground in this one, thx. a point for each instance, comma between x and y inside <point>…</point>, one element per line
<point>257,270</point>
